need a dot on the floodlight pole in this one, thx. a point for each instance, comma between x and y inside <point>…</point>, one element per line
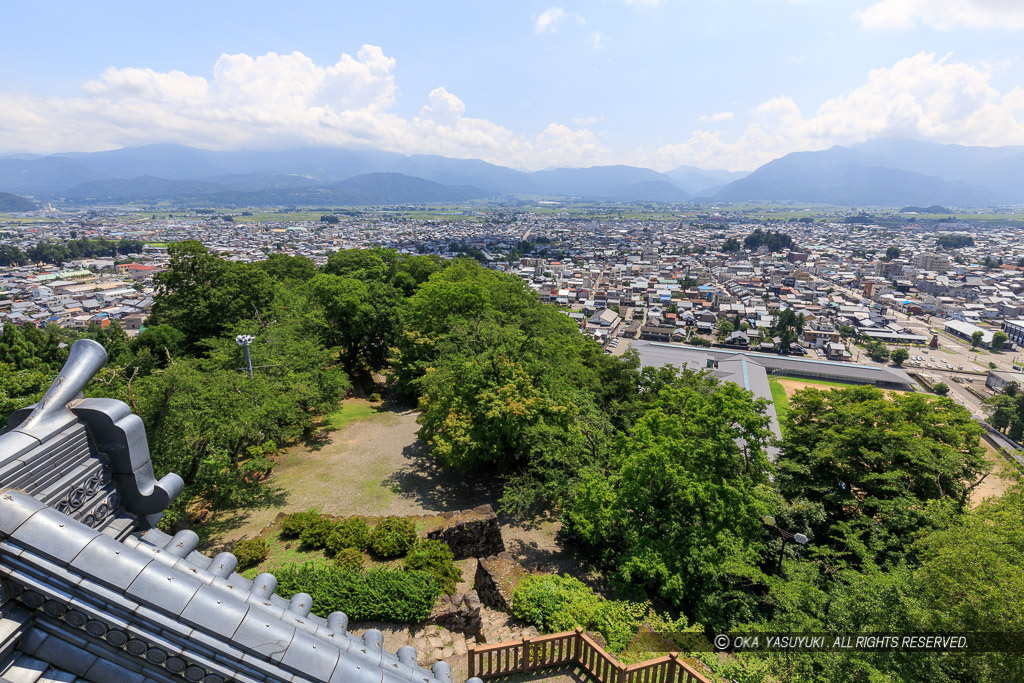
<point>243,340</point>
<point>801,539</point>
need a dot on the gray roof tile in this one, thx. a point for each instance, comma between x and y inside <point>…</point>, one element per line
<point>350,672</point>
<point>15,508</point>
<point>310,656</point>
<point>164,588</point>
<point>110,562</point>
<point>71,658</point>
<point>54,534</point>
<point>263,633</point>
<point>214,610</point>
<point>105,670</point>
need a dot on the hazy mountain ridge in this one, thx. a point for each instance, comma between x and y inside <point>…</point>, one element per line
<point>883,172</point>
<point>171,172</point>
<point>12,202</point>
<point>888,172</point>
<point>361,190</point>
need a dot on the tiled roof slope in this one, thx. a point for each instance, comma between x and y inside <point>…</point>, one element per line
<point>108,598</point>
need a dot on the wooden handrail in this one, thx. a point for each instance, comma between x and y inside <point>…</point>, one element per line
<point>575,647</point>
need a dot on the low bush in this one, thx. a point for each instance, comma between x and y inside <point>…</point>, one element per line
<point>436,558</point>
<point>316,533</point>
<point>351,532</point>
<point>349,559</point>
<point>293,524</point>
<point>561,603</point>
<point>375,595</point>
<point>393,537</point>
<point>250,552</point>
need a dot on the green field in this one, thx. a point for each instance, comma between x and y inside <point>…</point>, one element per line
<point>780,399</point>
<point>350,411</point>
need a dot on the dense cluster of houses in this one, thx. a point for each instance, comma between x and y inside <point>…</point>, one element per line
<point>666,278</point>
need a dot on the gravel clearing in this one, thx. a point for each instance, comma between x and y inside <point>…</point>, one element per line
<point>375,467</point>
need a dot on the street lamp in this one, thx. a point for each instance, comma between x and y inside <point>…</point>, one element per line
<point>244,340</point>
<point>800,539</point>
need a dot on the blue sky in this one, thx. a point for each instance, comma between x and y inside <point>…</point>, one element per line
<point>723,84</point>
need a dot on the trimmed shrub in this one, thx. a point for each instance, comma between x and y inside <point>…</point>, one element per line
<point>349,559</point>
<point>561,603</point>
<point>436,558</point>
<point>351,532</point>
<point>316,533</point>
<point>393,537</point>
<point>250,552</point>
<point>293,524</point>
<point>376,595</point>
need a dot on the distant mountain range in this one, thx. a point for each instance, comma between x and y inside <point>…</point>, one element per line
<point>12,202</point>
<point>322,176</point>
<point>884,172</point>
<point>889,172</point>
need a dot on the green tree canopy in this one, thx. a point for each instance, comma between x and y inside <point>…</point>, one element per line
<point>677,512</point>
<point>204,296</point>
<point>873,461</point>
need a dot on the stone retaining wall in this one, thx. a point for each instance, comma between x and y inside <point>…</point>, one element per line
<point>496,579</point>
<point>459,612</point>
<point>470,533</point>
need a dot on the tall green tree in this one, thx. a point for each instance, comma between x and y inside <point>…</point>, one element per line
<point>359,317</point>
<point>677,513</point>
<point>874,461</point>
<point>204,296</point>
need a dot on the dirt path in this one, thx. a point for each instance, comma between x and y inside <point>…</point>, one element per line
<point>794,385</point>
<point>1003,476</point>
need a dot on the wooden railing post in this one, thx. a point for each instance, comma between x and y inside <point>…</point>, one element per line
<point>531,654</point>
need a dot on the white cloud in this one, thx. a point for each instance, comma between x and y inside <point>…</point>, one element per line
<point>277,101</point>
<point>597,40</point>
<point>444,108</point>
<point>644,3</point>
<point>549,20</point>
<point>714,118</point>
<point>944,14</point>
<point>923,97</point>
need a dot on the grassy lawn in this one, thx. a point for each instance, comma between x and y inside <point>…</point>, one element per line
<point>780,399</point>
<point>350,411</point>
